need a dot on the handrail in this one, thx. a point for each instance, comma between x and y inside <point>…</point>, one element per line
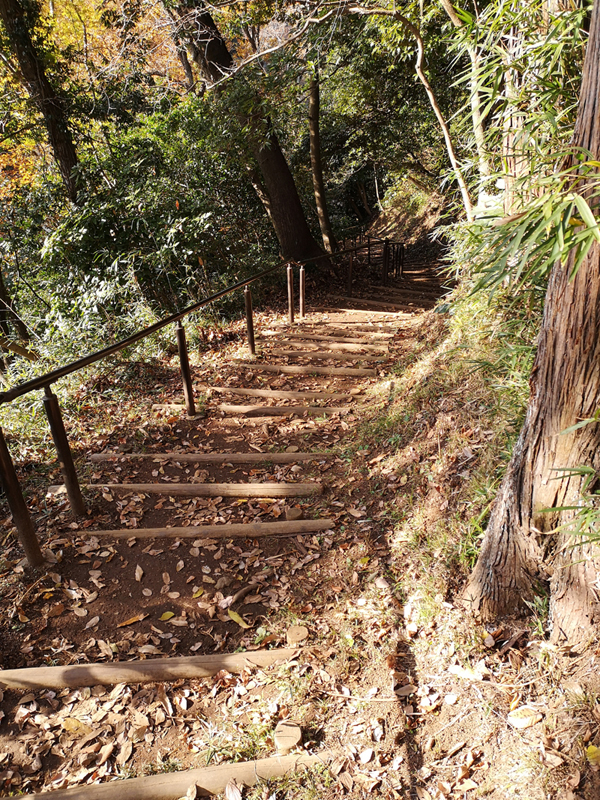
<point>49,378</point>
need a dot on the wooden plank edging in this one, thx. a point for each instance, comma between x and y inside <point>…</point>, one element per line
<point>148,670</point>
<point>206,489</point>
<point>223,531</point>
<point>217,458</point>
<point>173,785</point>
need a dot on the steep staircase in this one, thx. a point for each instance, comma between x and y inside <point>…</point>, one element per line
<point>316,369</point>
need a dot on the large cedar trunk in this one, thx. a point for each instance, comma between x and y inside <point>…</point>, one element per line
<point>277,192</point>
<point>50,105</point>
<point>519,548</point>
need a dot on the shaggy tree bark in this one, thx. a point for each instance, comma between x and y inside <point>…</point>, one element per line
<point>208,50</point>
<point>51,106</point>
<point>519,546</point>
<point>316,164</point>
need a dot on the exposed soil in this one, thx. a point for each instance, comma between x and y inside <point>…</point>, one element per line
<point>413,695</point>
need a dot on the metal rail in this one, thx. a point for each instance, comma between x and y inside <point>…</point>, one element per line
<point>8,476</point>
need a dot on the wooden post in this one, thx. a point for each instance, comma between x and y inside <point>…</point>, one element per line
<point>184,362</point>
<point>65,457</point>
<point>401,260</point>
<point>386,260</point>
<point>349,280</point>
<point>302,290</point>
<point>18,507</point>
<point>249,319</point>
<point>290,288</point>
<point>369,249</point>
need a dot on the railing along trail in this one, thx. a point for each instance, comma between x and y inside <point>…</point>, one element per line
<point>392,260</point>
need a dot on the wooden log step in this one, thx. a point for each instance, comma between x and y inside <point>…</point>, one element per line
<point>231,530</point>
<point>208,780</point>
<point>216,458</point>
<point>207,489</point>
<point>383,337</point>
<point>414,305</point>
<point>290,370</point>
<point>280,411</point>
<point>283,394</point>
<point>347,310</point>
<point>354,347</point>
<point>149,670</point>
<point>395,290</point>
<point>393,306</point>
<point>323,355</point>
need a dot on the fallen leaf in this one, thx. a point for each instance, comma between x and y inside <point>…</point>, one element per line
<point>139,572</point>
<point>524,717</point>
<point>236,618</point>
<point>366,755</point>
<point>198,593</point>
<point>232,790</point>
<point>592,753</point>
<point>56,610</point>
<point>167,615</point>
<point>131,620</point>
<point>92,622</point>
<point>124,753</point>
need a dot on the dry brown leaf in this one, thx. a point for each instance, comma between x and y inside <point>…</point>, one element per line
<point>132,620</point>
<point>524,717</point>
<point>233,791</point>
<point>139,573</point>
<point>92,622</point>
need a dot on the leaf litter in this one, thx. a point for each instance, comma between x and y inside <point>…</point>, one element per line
<point>374,678</point>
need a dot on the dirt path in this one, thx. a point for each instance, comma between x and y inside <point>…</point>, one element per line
<point>161,568</point>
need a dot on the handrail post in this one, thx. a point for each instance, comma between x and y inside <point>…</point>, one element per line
<point>18,507</point>
<point>386,260</point>
<point>290,288</point>
<point>349,279</point>
<point>369,249</point>
<point>184,362</point>
<point>63,449</point>
<point>401,260</point>
<point>249,320</point>
<point>302,290</point>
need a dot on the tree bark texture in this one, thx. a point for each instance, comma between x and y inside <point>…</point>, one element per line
<point>521,544</point>
<point>51,106</point>
<point>316,164</point>
<point>277,191</point>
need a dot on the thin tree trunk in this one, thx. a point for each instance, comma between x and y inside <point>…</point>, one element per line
<point>476,117</point>
<point>7,311</point>
<point>519,547</point>
<point>278,191</point>
<point>50,105</point>
<point>314,106</point>
<point>363,11</point>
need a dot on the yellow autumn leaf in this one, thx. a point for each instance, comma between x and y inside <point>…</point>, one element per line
<point>592,754</point>
<point>167,615</point>
<point>236,618</point>
<point>132,620</point>
<point>198,593</point>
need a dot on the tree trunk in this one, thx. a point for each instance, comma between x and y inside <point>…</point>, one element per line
<point>278,193</point>
<point>51,106</point>
<point>7,312</point>
<point>314,105</point>
<point>519,547</point>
